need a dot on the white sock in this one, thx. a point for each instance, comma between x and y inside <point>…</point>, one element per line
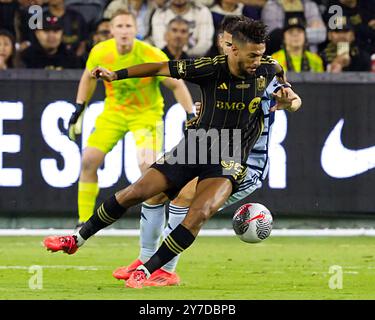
<point>151,227</point>
<point>80,240</point>
<point>176,215</point>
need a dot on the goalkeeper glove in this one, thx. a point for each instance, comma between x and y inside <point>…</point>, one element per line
<point>75,122</point>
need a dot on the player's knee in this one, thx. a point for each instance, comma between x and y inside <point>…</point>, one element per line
<point>186,196</point>
<point>89,164</point>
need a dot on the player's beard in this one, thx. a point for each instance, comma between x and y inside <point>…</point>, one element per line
<point>242,69</point>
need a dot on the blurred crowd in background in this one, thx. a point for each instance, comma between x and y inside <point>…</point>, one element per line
<point>304,35</point>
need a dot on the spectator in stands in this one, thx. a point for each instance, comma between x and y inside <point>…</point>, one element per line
<point>361,15</point>
<point>200,22</point>
<point>224,38</point>
<point>342,52</point>
<point>102,32</point>
<point>49,52</point>
<point>160,3</point>
<point>294,55</point>
<point>276,12</point>
<point>177,38</point>
<point>24,34</point>
<point>256,3</point>
<point>7,50</point>
<point>207,3</point>
<point>91,10</point>
<point>222,8</point>
<point>322,4</point>
<point>142,10</point>
<point>75,32</point>
<point>8,10</point>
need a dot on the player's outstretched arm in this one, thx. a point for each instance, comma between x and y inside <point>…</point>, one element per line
<point>138,71</point>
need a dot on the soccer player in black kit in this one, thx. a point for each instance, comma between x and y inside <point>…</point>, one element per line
<point>232,87</point>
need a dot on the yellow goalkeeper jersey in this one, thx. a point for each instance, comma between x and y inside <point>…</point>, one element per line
<point>134,95</point>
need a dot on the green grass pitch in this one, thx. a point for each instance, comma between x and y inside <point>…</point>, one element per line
<point>217,268</point>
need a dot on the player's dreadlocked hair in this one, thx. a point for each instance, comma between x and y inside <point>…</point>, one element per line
<point>250,31</point>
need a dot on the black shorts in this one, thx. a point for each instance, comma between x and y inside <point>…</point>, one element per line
<point>181,174</point>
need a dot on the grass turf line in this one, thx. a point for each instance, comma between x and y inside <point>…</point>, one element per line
<point>217,268</point>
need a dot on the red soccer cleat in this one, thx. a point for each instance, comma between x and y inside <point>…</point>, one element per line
<point>161,278</point>
<point>123,273</point>
<point>68,244</point>
<point>136,279</point>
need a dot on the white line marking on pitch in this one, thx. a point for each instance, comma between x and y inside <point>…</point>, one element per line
<point>205,232</point>
<point>91,268</point>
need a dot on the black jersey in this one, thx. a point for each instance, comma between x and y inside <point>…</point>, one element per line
<point>228,102</point>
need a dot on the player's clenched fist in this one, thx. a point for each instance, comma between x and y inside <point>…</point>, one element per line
<point>103,73</point>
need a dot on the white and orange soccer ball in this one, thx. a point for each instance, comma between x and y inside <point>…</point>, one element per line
<point>252,222</point>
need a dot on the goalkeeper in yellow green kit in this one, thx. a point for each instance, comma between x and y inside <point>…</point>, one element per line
<point>136,105</point>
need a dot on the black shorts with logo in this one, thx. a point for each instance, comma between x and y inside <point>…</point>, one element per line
<point>179,173</point>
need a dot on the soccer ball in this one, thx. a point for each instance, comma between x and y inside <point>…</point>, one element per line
<point>252,222</point>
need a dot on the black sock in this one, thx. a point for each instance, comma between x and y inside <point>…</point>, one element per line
<point>177,241</point>
<point>107,213</point>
